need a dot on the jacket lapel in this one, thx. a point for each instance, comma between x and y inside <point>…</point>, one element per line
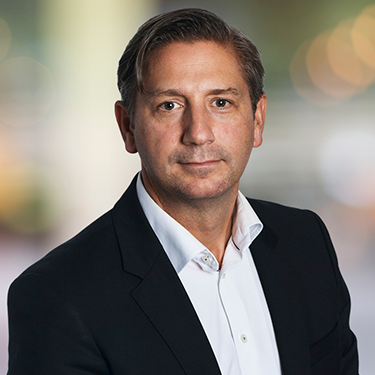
<point>160,294</point>
<point>164,301</point>
<point>287,319</point>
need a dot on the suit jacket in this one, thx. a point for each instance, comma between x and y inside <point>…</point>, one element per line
<point>109,301</point>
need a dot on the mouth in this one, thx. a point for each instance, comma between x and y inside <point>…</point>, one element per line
<point>200,164</point>
<point>202,169</point>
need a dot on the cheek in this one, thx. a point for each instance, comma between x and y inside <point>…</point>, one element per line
<point>246,131</point>
<point>154,144</point>
<point>238,134</point>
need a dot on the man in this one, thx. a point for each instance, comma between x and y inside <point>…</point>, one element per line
<point>184,275</point>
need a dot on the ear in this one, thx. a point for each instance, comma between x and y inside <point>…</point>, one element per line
<point>259,120</point>
<point>126,130</point>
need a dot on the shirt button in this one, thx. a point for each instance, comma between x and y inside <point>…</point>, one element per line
<point>206,259</point>
<point>244,338</point>
<point>224,276</point>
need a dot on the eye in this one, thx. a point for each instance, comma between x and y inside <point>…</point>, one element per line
<point>168,106</point>
<point>221,103</point>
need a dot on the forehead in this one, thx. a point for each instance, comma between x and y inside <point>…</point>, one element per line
<point>182,61</point>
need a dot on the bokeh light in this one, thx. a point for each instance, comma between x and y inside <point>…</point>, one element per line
<point>302,82</point>
<point>340,63</point>
<point>321,72</point>
<point>344,60</point>
<point>363,36</point>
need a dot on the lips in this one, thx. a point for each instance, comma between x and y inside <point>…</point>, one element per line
<point>200,163</point>
<point>199,156</point>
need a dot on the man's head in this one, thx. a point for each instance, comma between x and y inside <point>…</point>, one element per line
<point>192,108</point>
<point>185,25</point>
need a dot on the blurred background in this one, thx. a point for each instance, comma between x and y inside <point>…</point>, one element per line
<point>63,163</point>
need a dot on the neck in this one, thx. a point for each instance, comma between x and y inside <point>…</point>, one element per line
<point>209,220</point>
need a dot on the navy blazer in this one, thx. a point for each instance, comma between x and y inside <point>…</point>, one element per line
<point>109,301</point>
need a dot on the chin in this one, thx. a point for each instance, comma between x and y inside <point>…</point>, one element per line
<point>205,189</point>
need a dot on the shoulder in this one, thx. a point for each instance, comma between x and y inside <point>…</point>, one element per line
<point>278,216</point>
<point>84,246</point>
<point>96,242</point>
<point>86,263</point>
<point>300,232</point>
<point>93,259</point>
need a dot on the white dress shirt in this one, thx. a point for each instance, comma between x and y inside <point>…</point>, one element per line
<point>229,302</point>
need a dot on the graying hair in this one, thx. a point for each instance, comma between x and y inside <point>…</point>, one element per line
<point>185,25</point>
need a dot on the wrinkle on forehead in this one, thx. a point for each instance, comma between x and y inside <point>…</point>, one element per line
<point>207,66</point>
<point>227,49</point>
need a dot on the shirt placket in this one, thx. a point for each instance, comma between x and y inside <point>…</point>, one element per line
<point>233,305</point>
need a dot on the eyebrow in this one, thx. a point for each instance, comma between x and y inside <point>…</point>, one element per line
<point>229,90</point>
<point>173,92</point>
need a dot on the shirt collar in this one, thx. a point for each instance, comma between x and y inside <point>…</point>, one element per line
<point>246,224</point>
<point>179,244</point>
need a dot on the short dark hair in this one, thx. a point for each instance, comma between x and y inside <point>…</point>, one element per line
<point>185,25</point>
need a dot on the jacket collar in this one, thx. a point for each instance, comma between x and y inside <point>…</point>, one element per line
<point>138,243</point>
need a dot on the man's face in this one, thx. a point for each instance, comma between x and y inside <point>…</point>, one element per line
<point>193,127</point>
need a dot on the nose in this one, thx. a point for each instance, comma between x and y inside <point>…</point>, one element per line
<point>197,126</point>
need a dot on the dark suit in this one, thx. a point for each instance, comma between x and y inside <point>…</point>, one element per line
<point>109,301</point>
